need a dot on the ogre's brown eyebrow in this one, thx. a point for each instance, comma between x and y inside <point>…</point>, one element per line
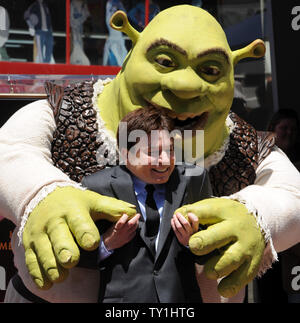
<point>165,42</point>
<point>215,51</point>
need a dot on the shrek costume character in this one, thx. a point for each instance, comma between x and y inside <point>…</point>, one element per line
<point>182,62</point>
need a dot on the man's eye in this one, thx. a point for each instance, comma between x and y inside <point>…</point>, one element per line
<point>164,61</point>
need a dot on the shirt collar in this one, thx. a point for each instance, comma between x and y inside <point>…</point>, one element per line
<point>139,185</point>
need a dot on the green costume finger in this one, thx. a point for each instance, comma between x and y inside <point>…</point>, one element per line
<point>231,285</point>
<point>83,228</point>
<point>108,208</point>
<point>214,237</point>
<point>35,270</point>
<point>62,241</point>
<point>225,263</point>
<point>48,262</point>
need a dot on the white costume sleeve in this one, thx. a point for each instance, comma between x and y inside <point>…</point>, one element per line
<point>26,167</point>
<point>276,197</point>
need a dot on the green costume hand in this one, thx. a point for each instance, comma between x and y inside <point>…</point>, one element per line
<point>50,248</point>
<point>234,233</point>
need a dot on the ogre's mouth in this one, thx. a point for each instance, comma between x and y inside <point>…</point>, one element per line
<point>186,120</point>
<point>192,123</point>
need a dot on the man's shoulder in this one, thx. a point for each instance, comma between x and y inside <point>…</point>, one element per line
<point>101,175</point>
<point>191,170</point>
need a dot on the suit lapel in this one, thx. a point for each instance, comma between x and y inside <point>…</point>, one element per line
<point>120,184</point>
<point>120,180</point>
<point>175,190</point>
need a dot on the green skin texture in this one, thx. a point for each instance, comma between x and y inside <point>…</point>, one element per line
<point>184,78</point>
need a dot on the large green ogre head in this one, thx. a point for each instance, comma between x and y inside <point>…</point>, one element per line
<point>182,61</point>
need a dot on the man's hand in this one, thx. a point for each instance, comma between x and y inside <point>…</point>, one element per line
<point>183,227</point>
<point>234,233</point>
<point>121,232</point>
<point>48,240</point>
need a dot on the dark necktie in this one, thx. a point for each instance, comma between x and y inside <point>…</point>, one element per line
<point>153,219</point>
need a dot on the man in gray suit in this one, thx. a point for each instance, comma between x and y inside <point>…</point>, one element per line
<point>145,259</point>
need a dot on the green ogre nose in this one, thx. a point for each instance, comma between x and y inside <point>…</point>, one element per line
<point>184,83</point>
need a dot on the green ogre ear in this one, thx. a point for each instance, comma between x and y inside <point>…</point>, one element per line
<point>256,49</point>
<point>119,21</point>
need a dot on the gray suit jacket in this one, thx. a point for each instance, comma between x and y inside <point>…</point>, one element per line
<point>132,274</point>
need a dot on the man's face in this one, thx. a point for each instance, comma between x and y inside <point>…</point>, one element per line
<point>181,62</point>
<point>152,159</point>
<point>286,134</point>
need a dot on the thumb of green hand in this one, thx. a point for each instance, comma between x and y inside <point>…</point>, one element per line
<point>108,208</point>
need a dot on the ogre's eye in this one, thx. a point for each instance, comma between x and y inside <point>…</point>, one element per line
<point>165,62</point>
<point>210,73</point>
<point>210,70</point>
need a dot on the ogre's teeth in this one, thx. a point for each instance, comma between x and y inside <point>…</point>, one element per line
<point>196,123</point>
<point>185,120</point>
<point>184,116</point>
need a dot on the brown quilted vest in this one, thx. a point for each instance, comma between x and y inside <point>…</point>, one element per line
<point>75,141</point>
<point>247,148</point>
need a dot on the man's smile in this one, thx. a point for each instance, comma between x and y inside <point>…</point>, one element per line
<point>161,170</point>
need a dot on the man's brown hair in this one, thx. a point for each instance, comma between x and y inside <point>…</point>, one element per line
<point>146,119</point>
